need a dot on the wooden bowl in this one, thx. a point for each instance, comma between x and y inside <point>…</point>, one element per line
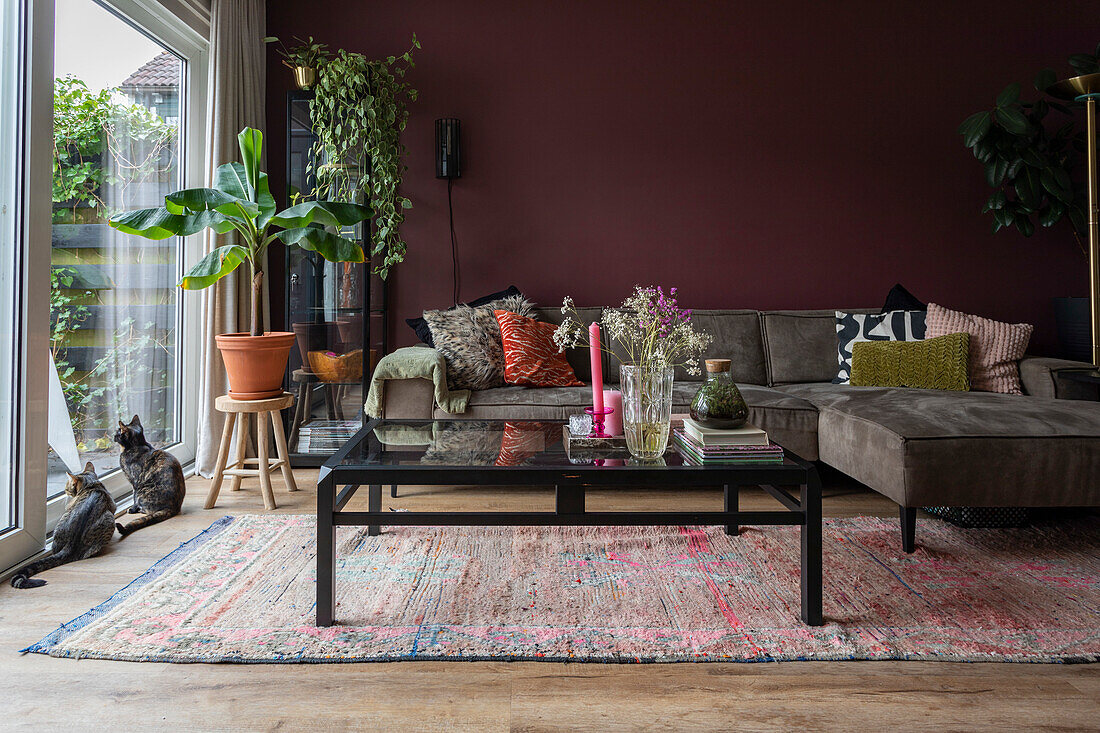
<point>337,368</point>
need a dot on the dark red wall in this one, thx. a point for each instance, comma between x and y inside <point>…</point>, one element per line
<point>762,155</point>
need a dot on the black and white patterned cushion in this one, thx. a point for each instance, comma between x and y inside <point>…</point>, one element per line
<point>851,328</point>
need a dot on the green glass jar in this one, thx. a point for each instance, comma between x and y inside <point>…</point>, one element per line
<point>718,403</point>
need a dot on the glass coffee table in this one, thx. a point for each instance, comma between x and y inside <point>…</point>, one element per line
<point>532,453</point>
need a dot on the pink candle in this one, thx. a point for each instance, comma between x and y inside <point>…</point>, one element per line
<point>597,366</point>
<point>613,423</point>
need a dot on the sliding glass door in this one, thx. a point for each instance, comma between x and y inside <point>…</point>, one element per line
<point>115,311</point>
<point>103,112</point>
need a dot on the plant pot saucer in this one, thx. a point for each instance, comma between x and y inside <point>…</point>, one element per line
<point>265,395</point>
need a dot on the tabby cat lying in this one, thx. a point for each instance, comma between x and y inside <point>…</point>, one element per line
<point>83,530</point>
<point>156,476</point>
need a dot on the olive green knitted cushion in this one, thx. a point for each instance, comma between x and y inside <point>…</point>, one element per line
<point>935,363</point>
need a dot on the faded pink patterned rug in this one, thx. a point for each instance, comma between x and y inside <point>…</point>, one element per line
<point>243,591</point>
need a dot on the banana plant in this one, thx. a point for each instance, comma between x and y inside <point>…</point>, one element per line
<point>241,202</point>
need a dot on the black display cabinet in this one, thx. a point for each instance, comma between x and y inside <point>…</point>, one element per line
<point>337,312</point>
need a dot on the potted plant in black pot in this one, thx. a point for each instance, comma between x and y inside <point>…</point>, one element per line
<point>241,202</point>
<point>1032,153</point>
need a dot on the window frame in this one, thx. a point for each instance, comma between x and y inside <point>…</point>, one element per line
<point>29,419</point>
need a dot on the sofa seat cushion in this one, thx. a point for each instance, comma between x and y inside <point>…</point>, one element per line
<point>789,420</point>
<point>928,447</point>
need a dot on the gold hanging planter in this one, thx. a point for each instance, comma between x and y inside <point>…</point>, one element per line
<point>305,76</point>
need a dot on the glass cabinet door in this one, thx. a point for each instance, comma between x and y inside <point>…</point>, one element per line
<point>327,309</point>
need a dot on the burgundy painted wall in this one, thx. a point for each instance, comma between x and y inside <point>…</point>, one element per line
<point>757,155</point>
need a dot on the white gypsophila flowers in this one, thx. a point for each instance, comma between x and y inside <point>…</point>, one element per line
<point>649,329</point>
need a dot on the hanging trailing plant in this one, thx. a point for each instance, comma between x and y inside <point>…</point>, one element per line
<point>358,112</point>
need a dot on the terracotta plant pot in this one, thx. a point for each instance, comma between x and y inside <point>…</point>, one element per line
<point>315,337</point>
<point>255,364</point>
<point>351,331</point>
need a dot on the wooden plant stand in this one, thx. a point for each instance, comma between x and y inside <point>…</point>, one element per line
<point>265,411</point>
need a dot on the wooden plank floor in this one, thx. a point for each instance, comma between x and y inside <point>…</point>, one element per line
<point>42,693</point>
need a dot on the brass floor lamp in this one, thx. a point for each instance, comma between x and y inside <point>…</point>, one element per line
<point>1086,88</point>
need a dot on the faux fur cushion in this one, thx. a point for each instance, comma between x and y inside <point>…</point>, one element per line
<point>469,339</point>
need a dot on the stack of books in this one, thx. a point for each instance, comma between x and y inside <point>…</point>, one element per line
<point>705,446</point>
<point>325,436</point>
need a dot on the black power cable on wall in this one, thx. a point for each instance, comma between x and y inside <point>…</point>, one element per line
<point>454,240</point>
<point>448,164</point>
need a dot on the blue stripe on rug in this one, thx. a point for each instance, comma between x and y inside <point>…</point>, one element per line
<point>65,630</point>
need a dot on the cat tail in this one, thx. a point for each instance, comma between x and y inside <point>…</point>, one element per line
<point>22,579</point>
<point>143,521</point>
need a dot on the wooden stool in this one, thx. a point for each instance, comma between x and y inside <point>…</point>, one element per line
<point>263,409</point>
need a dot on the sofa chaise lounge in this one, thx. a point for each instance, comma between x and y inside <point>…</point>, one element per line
<point>917,447</point>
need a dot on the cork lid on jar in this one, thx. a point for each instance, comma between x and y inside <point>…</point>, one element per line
<point>718,365</point>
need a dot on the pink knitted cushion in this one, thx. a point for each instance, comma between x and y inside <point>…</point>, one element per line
<point>995,347</point>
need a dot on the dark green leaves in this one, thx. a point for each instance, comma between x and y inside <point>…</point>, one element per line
<point>1084,63</point>
<point>1012,119</point>
<point>1026,158</point>
<point>974,128</point>
<point>1044,79</point>
<point>1029,190</point>
<point>214,266</point>
<point>1010,95</point>
<point>332,247</point>
<point>996,201</point>
<point>1057,182</point>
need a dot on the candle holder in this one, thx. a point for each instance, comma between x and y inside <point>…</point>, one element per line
<point>597,420</point>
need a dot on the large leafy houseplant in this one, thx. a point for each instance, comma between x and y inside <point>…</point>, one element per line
<point>241,202</point>
<point>1029,159</point>
<point>359,112</point>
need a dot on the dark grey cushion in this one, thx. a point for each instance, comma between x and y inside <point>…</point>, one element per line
<point>800,346</point>
<point>736,336</point>
<point>790,421</point>
<point>579,359</point>
<point>928,447</point>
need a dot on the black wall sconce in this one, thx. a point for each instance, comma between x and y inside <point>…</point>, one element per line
<point>448,164</point>
<point>448,148</point>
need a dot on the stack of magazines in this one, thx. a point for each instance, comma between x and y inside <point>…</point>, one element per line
<point>704,446</point>
<point>326,436</point>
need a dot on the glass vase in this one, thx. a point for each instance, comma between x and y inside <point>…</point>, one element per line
<point>647,409</point>
<point>718,403</point>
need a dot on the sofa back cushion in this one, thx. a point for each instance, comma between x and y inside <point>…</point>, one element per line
<point>577,358</point>
<point>800,346</point>
<point>736,336</point>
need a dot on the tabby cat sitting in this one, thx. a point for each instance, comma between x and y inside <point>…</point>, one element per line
<point>156,476</point>
<point>87,525</point>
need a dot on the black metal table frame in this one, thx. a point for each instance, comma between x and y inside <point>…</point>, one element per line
<point>337,484</point>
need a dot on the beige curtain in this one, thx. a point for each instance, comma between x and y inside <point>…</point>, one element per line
<point>236,88</point>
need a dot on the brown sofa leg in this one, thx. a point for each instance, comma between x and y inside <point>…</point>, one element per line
<point>908,528</point>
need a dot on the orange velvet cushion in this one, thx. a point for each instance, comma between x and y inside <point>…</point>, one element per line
<point>530,355</point>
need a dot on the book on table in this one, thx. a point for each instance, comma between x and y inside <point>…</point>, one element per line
<point>696,453</point>
<point>747,434</point>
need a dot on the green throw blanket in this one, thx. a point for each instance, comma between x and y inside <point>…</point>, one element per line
<point>416,362</point>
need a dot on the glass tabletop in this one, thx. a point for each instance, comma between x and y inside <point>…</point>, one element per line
<point>503,444</point>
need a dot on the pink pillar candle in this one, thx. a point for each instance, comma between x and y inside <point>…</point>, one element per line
<point>613,423</point>
<point>597,367</point>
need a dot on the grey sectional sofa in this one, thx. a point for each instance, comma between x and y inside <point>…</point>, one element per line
<point>917,447</point>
